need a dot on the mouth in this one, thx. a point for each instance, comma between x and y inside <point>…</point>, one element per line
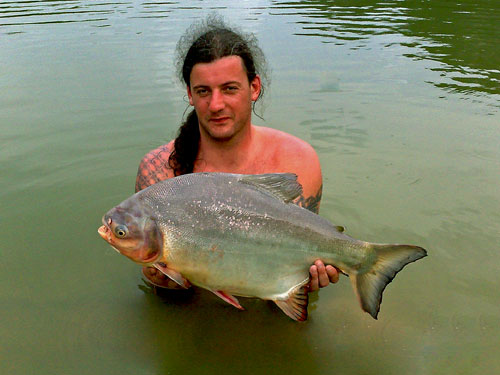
<point>105,233</point>
<point>104,230</point>
<point>219,120</point>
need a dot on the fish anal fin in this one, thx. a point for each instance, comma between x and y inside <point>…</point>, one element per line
<point>391,259</point>
<point>295,306</point>
<point>174,275</point>
<point>232,300</point>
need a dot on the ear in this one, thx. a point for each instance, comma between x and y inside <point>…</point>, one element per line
<point>255,87</point>
<point>189,95</point>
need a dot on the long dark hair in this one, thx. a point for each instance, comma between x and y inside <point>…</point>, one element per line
<point>205,42</point>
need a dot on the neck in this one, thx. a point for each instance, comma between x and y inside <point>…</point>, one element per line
<point>231,156</point>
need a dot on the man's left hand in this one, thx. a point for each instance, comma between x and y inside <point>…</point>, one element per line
<point>322,275</point>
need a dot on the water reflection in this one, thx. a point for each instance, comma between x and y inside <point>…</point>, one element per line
<point>329,137</point>
<point>15,13</point>
<point>458,39</point>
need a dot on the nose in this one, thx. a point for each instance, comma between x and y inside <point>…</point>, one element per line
<point>216,101</point>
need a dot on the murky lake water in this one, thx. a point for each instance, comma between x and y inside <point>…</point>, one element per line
<point>401,99</point>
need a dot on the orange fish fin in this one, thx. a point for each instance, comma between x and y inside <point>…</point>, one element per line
<point>295,306</point>
<point>174,275</point>
<point>228,298</point>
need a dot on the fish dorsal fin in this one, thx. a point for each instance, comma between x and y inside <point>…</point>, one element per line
<point>283,186</point>
<point>295,306</point>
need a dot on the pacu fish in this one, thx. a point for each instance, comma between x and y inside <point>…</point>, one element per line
<point>242,235</point>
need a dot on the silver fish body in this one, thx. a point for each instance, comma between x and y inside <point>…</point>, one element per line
<point>241,235</point>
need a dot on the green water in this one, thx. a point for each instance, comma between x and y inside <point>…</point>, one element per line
<point>401,99</point>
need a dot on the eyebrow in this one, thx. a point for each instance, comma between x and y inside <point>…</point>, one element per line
<point>224,84</point>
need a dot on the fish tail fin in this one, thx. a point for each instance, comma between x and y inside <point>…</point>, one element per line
<point>391,259</point>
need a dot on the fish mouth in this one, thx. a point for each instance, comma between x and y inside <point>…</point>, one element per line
<point>104,232</point>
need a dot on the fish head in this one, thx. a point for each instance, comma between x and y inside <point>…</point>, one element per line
<point>130,230</point>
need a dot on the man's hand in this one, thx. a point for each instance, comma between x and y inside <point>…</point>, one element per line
<point>322,275</point>
<point>156,278</point>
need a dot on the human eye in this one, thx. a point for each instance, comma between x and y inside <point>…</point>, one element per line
<point>201,91</point>
<point>231,89</point>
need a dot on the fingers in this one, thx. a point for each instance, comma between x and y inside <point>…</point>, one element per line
<point>153,274</point>
<point>322,275</point>
<point>333,274</point>
<point>314,283</point>
<point>157,278</point>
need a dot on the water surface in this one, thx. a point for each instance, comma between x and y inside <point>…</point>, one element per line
<point>400,99</point>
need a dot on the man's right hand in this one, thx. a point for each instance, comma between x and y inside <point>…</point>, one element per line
<point>322,275</point>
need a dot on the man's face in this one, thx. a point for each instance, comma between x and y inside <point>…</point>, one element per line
<point>222,97</point>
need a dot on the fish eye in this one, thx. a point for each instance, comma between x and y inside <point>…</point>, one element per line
<point>121,231</point>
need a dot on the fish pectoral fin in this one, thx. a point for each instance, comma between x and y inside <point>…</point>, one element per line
<point>174,275</point>
<point>295,306</point>
<point>228,298</point>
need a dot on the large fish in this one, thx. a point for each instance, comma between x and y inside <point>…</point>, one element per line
<point>241,235</point>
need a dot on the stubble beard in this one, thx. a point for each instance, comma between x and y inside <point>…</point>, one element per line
<point>215,135</point>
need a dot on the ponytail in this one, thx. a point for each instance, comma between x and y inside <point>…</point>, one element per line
<point>186,145</point>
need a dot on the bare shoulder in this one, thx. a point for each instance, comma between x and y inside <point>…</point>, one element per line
<point>154,167</point>
<point>288,153</point>
<point>285,140</point>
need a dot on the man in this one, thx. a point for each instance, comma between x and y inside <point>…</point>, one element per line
<point>222,71</point>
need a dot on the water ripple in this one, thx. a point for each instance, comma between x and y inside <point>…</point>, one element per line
<point>461,37</point>
<point>18,13</point>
